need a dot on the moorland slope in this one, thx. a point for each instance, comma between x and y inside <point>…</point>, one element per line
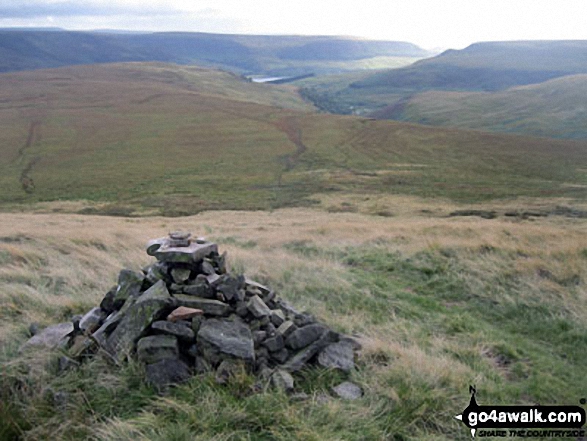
<point>175,140</point>
<point>555,108</point>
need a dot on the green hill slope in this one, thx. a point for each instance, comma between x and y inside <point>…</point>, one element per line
<point>175,140</point>
<point>271,55</point>
<point>555,108</point>
<point>487,66</point>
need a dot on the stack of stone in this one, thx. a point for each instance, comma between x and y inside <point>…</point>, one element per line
<point>186,314</point>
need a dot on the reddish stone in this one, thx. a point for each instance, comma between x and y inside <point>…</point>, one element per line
<point>183,313</point>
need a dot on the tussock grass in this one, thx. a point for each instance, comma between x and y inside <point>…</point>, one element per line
<point>439,303</point>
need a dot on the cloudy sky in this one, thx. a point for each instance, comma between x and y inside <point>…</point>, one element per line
<point>428,23</point>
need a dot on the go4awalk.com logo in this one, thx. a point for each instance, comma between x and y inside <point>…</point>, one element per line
<point>523,421</point>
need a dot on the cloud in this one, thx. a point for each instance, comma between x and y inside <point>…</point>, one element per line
<point>69,8</point>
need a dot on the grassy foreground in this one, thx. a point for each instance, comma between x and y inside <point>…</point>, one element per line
<point>439,303</point>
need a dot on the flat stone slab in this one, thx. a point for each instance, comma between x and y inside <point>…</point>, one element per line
<point>338,355</point>
<point>183,313</point>
<point>195,252</point>
<point>209,306</point>
<point>148,308</point>
<point>231,337</point>
<point>129,285</point>
<point>301,358</point>
<point>50,337</point>
<point>302,337</point>
<point>184,333</point>
<point>155,348</point>
<point>167,372</point>
<point>282,380</point>
<point>91,321</point>
<point>258,308</point>
<point>348,391</point>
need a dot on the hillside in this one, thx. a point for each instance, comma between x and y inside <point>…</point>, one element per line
<point>555,108</point>
<point>270,55</point>
<point>162,139</point>
<point>486,67</point>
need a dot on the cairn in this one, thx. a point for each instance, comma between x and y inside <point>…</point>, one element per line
<point>185,314</point>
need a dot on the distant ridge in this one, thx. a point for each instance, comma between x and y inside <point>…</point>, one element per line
<point>487,66</point>
<point>272,55</point>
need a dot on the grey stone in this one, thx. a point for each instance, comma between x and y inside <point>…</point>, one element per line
<point>111,322</point>
<point>277,317</point>
<point>274,344</point>
<point>163,251</point>
<point>166,372</point>
<point>129,285</point>
<point>338,355</point>
<point>348,391</point>
<point>34,329</point>
<point>268,298</point>
<point>240,295</point>
<point>221,263</point>
<point>199,289</point>
<point>209,306</point>
<point>50,337</point>
<point>177,329</point>
<point>155,348</point>
<point>207,268</point>
<point>300,396</point>
<point>257,307</point>
<point>280,356</point>
<point>257,285</point>
<point>75,320</point>
<point>91,321</point>
<point>80,345</point>
<point>299,360</point>
<point>180,275</point>
<point>258,337</point>
<point>213,280</point>
<point>287,308</point>
<point>302,337</point>
<point>151,306</point>
<point>282,380</point>
<point>356,344</point>
<point>262,352</point>
<point>230,337</point>
<point>157,271</point>
<point>286,328</point>
<point>241,309</point>
<point>304,319</point>
<point>107,303</point>
<point>270,329</point>
<point>230,285</point>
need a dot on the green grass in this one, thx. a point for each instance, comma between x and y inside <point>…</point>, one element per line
<point>554,108</point>
<point>433,322</point>
<point>156,139</point>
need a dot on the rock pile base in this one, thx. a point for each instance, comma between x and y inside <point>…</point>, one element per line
<point>185,314</point>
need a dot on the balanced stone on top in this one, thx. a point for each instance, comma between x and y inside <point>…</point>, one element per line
<point>179,248</point>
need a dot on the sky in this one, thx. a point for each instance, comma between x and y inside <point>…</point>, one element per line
<point>427,23</point>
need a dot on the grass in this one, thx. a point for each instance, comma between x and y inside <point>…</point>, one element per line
<point>148,139</point>
<point>439,303</point>
<point>552,109</point>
